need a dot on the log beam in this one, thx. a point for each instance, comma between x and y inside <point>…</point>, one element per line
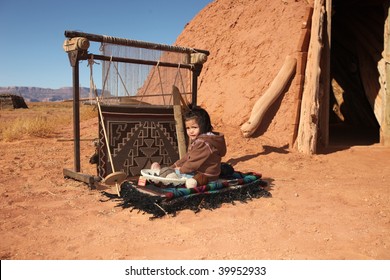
<point>268,98</point>
<point>308,124</point>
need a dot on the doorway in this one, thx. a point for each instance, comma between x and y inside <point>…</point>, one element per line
<point>356,50</point>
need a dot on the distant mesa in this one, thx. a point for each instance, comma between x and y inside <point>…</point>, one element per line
<point>37,94</point>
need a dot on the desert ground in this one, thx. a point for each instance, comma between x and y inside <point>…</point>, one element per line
<point>331,205</point>
<point>334,205</point>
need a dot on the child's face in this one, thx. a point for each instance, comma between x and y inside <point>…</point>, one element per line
<point>192,128</point>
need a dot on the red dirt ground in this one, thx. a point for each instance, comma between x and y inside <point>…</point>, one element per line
<point>334,205</point>
<point>327,206</point>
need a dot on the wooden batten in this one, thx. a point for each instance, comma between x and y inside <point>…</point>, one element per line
<point>180,130</point>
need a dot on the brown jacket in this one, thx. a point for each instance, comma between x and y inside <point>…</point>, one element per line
<point>204,155</point>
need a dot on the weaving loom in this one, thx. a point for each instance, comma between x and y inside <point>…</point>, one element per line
<point>138,111</point>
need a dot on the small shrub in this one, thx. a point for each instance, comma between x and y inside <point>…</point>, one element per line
<point>43,119</point>
<point>40,127</point>
<point>37,126</point>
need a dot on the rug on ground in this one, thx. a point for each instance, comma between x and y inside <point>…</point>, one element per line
<point>159,201</point>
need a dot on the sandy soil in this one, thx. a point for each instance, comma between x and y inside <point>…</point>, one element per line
<point>334,205</point>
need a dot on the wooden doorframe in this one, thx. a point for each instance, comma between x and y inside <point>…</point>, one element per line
<point>385,125</point>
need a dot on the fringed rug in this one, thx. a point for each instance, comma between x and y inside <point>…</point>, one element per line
<point>159,201</point>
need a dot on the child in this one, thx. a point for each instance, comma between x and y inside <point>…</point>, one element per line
<point>205,151</point>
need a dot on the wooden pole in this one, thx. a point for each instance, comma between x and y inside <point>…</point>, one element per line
<point>131,43</point>
<point>139,61</point>
<point>76,116</point>
<point>177,111</point>
<point>302,48</point>
<point>308,124</point>
<point>273,92</point>
<point>385,126</point>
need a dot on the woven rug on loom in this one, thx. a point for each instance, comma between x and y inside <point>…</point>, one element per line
<point>160,201</point>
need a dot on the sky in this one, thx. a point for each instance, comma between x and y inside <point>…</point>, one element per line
<point>32,33</point>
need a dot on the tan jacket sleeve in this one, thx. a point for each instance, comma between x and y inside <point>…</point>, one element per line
<point>198,153</point>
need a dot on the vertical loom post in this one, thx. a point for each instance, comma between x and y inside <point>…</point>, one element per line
<point>76,116</point>
<point>76,49</point>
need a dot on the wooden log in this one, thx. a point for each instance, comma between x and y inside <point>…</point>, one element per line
<point>301,63</point>
<point>265,101</point>
<point>299,83</point>
<point>339,99</point>
<point>299,80</point>
<point>303,46</point>
<point>85,178</point>
<point>385,125</point>
<point>72,139</point>
<point>177,111</point>
<point>308,124</point>
<point>304,39</point>
<point>306,24</point>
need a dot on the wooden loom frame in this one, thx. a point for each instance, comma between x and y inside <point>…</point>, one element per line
<point>78,53</point>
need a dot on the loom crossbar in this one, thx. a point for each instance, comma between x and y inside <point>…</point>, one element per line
<point>139,61</point>
<point>132,43</point>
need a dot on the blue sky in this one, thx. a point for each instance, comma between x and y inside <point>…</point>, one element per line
<point>32,33</point>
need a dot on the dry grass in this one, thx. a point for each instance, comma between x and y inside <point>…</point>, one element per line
<point>42,119</point>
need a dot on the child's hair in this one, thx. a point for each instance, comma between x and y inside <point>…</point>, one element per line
<point>201,116</point>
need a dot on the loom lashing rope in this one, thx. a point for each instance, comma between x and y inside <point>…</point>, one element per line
<point>160,81</point>
<point>178,73</point>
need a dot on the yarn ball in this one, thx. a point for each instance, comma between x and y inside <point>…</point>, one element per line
<point>165,171</point>
<point>191,183</point>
